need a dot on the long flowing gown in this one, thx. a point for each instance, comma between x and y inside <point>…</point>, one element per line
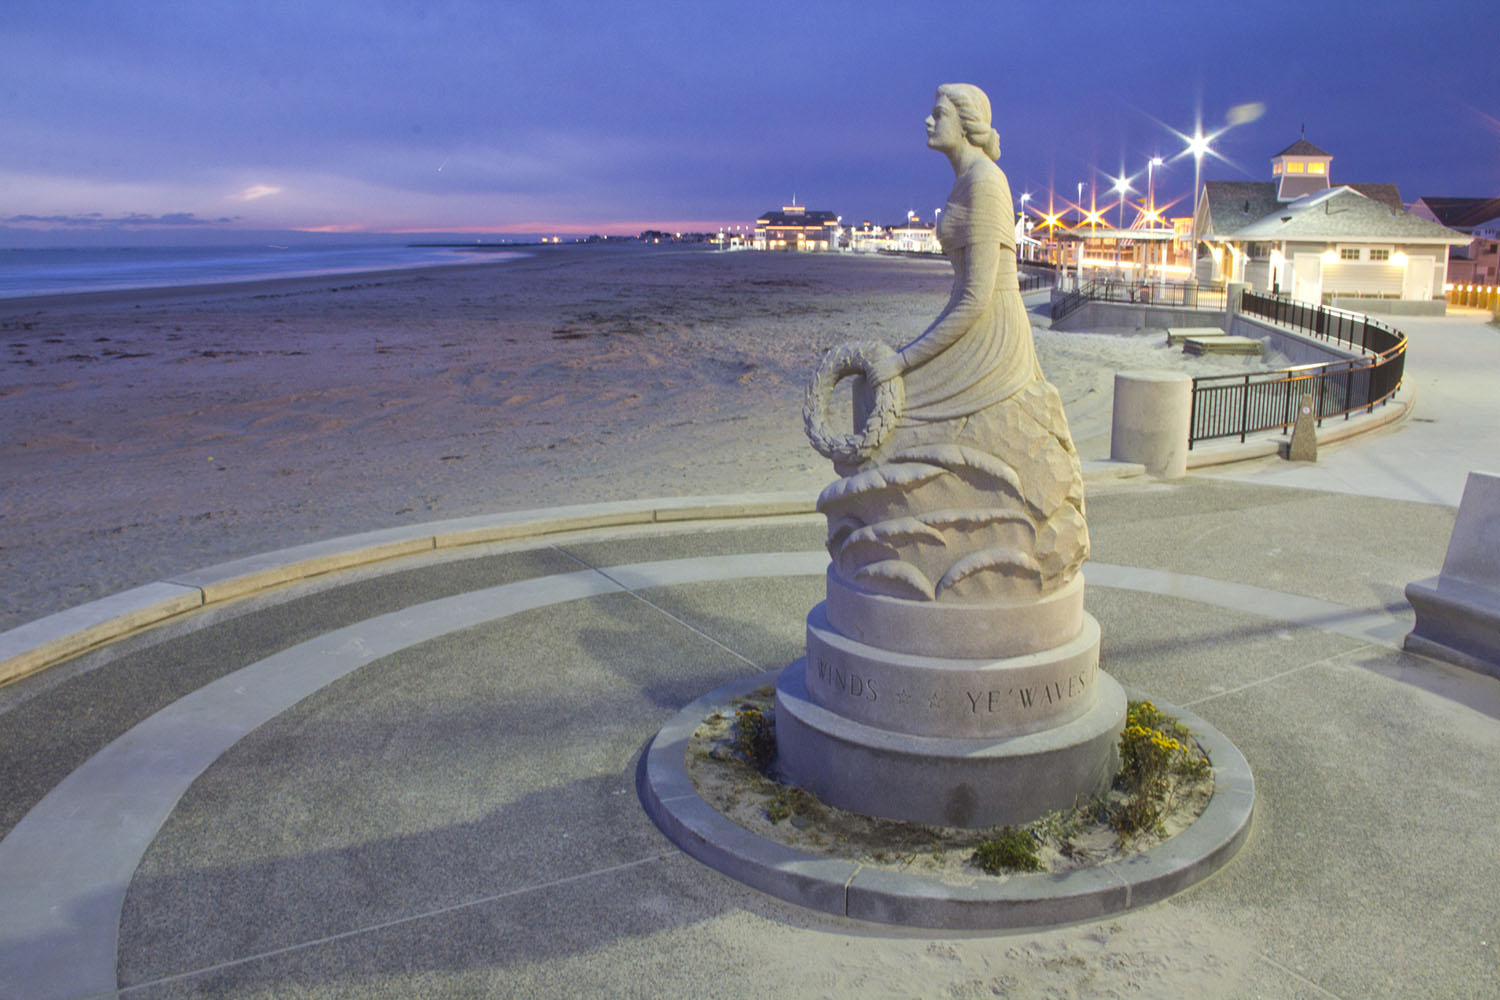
<point>976,494</point>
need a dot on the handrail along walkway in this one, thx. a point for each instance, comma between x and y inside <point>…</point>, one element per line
<point>1228,405</point>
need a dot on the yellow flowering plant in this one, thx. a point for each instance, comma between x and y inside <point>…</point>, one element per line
<point>1155,749</point>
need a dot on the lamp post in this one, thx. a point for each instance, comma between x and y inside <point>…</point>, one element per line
<point>1151,166</point>
<point>1151,186</point>
<point>1198,145</point>
<point>1122,186</point>
<point>1021,225</point>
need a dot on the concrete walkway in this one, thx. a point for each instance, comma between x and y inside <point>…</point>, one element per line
<point>418,777</point>
<point>1451,366</point>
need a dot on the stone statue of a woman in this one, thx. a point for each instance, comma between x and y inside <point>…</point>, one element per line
<point>962,484</point>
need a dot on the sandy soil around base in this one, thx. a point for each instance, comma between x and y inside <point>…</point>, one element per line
<point>151,433</point>
<point>1071,841</point>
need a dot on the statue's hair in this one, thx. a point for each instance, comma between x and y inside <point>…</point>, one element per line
<point>974,113</point>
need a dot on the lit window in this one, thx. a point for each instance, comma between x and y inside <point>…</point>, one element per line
<point>1276,167</point>
<point>1379,254</point>
<point>1349,253</point>
<point>1295,167</point>
<point>1317,168</point>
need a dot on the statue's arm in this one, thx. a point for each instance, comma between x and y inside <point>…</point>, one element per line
<point>976,287</point>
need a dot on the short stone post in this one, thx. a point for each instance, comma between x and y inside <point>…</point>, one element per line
<point>1304,446</point>
<point>1152,411</point>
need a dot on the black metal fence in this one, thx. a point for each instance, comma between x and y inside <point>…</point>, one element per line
<point>1031,280</point>
<point>1177,294</point>
<point>1229,405</point>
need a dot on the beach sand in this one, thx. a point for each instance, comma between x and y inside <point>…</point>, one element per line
<point>154,432</point>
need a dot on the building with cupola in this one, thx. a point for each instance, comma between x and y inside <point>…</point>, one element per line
<point>1301,234</point>
<point>1301,169</point>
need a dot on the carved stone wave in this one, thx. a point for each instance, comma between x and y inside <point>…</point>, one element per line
<point>938,513</point>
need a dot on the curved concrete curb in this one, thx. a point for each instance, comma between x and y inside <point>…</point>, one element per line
<point>847,889</point>
<point>36,645</point>
<point>39,644</point>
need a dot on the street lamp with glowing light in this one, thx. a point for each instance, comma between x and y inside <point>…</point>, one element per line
<point>1198,145</point>
<point>1151,185</point>
<point>1121,188</point>
<point>1021,226</point>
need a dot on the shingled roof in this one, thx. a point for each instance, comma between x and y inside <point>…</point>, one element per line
<point>1387,194</point>
<point>1463,213</point>
<point>1303,148</point>
<point>1233,205</point>
<point>1343,214</point>
<point>807,217</point>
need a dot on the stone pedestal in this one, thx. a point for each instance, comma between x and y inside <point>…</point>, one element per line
<point>951,714</point>
<point>1458,611</point>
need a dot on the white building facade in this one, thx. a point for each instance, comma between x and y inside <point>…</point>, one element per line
<point>1304,236</point>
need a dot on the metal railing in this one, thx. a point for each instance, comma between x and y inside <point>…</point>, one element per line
<point>1030,280</point>
<point>1229,405</point>
<point>1070,301</point>
<point>1178,294</point>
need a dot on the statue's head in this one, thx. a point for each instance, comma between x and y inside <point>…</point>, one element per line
<point>973,109</point>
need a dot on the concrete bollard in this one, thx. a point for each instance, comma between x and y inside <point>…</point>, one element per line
<point>1233,293</point>
<point>1150,423</point>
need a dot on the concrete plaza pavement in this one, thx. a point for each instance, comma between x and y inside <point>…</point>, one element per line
<point>419,778</point>
<point>1454,426</point>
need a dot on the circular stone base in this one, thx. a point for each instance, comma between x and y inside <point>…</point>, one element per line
<point>844,888</point>
<point>946,781</point>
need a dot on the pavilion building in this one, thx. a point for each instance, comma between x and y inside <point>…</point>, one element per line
<point>794,227</point>
<point>1303,235</point>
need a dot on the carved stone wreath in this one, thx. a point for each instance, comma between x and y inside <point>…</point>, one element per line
<point>854,358</point>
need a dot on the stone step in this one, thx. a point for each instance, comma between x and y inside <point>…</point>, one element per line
<point>1177,334</point>
<point>1222,345</point>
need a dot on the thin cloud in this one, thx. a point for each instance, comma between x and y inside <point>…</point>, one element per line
<point>96,220</point>
<point>255,191</point>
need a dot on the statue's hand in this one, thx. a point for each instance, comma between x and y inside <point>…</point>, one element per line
<point>887,368</point>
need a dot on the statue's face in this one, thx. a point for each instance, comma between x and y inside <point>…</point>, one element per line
<point>944,131</point>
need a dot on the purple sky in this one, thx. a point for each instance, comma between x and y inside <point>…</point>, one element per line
<point>129,115</point>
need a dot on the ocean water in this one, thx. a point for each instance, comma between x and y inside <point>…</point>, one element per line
<point>53,271</point>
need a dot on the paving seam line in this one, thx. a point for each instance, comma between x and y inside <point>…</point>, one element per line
<point>385,924</point>
<point>1278,676</point>
<point>1297,976</point>
<point>627,588</point>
